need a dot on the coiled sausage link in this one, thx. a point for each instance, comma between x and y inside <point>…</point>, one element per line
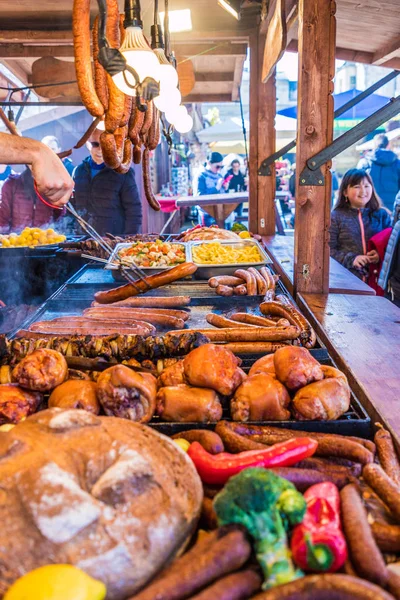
<point>116,102</point>
<point>109,150</point>
<point>127,157</point>
<point>151,199</point>
<point>83,66</point>
<point>100,75</point>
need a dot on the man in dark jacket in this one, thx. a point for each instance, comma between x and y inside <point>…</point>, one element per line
<point>384,168</point>
<point>108,200</point>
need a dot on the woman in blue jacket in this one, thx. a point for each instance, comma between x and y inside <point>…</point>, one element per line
<point>357,216</point>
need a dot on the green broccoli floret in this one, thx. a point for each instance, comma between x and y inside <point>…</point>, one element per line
<point>266,505</point>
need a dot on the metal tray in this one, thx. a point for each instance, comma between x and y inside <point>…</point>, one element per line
<point>354,422</point>
<point>206,271</point>
<point>77,294</point>
<point>111,266</point>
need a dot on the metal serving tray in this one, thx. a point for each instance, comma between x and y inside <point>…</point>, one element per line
<point>205,271</point>
<point>355,421</point>
<point>112,266</point>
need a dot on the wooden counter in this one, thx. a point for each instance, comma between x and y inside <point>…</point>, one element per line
<point>280,248</point>
<point>362,334</point>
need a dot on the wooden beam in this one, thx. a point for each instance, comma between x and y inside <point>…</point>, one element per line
<point>253,146</point>
<point>314,132</point>
<point>237,77</point>
<point>262,141</point>
<point>212,49</point>
<point>210,36</point>
<point>214,98</point>
<point>35,36</point>
<point>217,77</point>
<point>21,51</point>
<point>387,52</point>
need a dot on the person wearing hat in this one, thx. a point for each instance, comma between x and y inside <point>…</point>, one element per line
<point>210,181</point>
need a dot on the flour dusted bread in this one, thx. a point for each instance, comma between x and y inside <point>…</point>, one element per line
<point>110,496</point>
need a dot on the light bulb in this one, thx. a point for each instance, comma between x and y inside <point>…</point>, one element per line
<point>175,113</point>
<point>168,74</point>
<point>184,125</point>
<point>170,97</point>
<point>140,57</point>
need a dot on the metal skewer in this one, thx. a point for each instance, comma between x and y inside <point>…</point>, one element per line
<point>124,268</point>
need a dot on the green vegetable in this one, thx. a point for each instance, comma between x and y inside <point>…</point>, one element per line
<point>238,227</point>
<point>267,505</point>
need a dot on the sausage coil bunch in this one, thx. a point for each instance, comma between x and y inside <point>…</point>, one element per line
<point>127,128</point>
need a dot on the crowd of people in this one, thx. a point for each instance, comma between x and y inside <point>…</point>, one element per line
<point>109,201</point>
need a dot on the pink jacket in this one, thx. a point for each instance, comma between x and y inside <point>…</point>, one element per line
<point>20,207</point>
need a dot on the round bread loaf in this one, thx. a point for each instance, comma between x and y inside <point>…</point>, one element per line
<point>112,497</point>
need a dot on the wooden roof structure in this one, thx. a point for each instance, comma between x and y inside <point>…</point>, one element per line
<point>367,31</point>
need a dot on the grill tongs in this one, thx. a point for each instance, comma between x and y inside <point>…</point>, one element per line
<point>124,268</point>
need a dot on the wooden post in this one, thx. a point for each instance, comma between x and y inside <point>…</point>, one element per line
<point>314,132</point>
<point>262,141</point>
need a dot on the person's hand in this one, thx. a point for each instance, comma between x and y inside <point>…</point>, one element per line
<point>360,261</point>
<point>226,185</point>
<point>373,256</point>
<point>52,179</point>
<point>219,183</point>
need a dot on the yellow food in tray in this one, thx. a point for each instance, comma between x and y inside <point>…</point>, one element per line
<point>216,253</point>
<point>31,236</point>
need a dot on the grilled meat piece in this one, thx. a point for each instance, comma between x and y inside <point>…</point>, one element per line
<point>16,403</point>
<point>42,370</point>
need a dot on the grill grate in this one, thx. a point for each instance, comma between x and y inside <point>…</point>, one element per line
<point>78,294</point>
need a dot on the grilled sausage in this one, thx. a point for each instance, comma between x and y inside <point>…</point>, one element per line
<point>249,334</point>
<point>100,79</point>
<point>120,135</point>
<point>153,136</point>
<point>224,280</point>
<point>386,536</point>
<point>250,280</point>
<point>384,487</point>
<point>221,557</point>
<point>140,286</point>
<point>326,587</point>
<point>150,317</point>
<point>83,66</point>
<point>109,150</point>
<point>126,158</point>
<point>329,445</point>
<point>387,454</point>
<point>364,553</point>
<point>96,323</point>
<point>240,290</point>
<point>116,98</point>
<point>253,320</point>
<point>135,125</point>
<point>253,347</point>
<point>261,283</point>
<point>137,154</point>
<point>238,586</point>
<point>302,479</point>
<point>137,312</point>
<point>148,118</point>
<point>224,290</point>
<point>223,322</point>
<point>291,313</point>
<point>154,302</point>
<point>151,199</point>
<point>82,141</point>
<point>208,439</point>
<point>269,279</point>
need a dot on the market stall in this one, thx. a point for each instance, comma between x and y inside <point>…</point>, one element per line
<point>276,483</point>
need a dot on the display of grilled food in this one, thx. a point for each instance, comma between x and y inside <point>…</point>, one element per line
<point>119,347</point>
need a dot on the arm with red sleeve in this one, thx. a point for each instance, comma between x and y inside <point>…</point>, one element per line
<point>7,193</point>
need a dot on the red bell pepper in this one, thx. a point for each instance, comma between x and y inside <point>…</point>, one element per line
<point>318,543</point>
<point>218,468</point>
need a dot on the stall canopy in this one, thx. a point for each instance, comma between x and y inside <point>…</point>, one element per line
<point>227,136</point>
<point>361,111</point>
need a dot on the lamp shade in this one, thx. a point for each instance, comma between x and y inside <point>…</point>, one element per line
<point>139,57</point>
